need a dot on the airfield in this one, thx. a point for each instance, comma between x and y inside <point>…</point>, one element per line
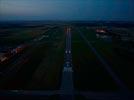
<point>67,61</point>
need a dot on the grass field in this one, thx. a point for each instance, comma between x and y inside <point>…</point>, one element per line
<point>44,65</point>
<point>20,35</point>
<point>48,74</point>
<point>89,74</point>
<point>119,65</point>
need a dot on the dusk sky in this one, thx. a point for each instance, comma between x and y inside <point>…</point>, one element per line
<point>118,10</point>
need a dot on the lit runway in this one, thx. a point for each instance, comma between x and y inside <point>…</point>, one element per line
<point>67,79</point>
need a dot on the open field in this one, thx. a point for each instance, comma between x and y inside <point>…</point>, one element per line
<point>40,62</point>
<point>89,73</point>
<point>120,65</point>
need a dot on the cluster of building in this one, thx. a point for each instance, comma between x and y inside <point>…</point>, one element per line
<point>123,41</point>
<point>5,57</point>
<point>103,34</point>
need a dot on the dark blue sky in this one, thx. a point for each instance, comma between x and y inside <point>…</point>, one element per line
<point>121,10</point>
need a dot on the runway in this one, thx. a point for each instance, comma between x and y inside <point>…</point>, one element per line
<point>67,87</point>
